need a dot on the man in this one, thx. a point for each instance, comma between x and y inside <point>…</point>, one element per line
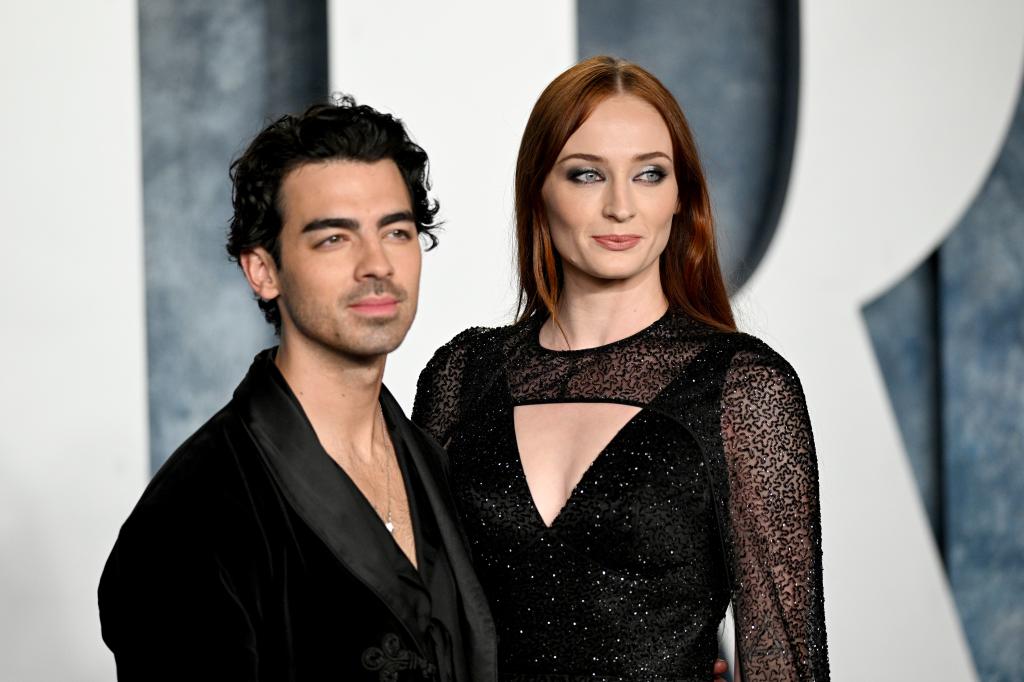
<point>305,532</point>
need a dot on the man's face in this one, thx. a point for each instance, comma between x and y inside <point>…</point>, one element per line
<point>350,258</point>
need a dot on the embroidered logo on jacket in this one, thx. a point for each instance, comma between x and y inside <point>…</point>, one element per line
<point>390,658</point>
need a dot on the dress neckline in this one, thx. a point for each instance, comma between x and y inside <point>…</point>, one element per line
<point>535,338</point>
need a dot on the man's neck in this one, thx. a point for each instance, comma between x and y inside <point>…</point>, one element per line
<point>338,393</point>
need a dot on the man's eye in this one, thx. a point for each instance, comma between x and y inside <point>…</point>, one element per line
<point>332,240</point>
<point>400,234</point>
<point>585,176</point>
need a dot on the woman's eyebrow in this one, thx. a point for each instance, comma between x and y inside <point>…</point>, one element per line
<point>651,155</point>
<point>583,157</point>
<point>594,158</point>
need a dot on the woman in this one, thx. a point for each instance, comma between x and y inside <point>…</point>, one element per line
<point>627,462</point>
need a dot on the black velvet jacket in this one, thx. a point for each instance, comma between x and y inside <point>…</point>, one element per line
<point>252,556</point>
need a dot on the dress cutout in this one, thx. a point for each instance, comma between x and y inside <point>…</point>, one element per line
<point>558,456</point>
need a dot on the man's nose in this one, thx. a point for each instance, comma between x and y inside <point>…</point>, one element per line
<point>374,261</point>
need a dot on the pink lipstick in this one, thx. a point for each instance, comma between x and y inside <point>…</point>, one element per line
<point>618,242</point>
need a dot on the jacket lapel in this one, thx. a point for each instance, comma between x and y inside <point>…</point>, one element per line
<point>425,457</point>
<point>323,495</point>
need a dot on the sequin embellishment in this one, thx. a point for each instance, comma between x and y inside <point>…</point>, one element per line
<point>709,494</point>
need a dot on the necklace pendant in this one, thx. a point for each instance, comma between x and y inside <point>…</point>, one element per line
<point>390,526</point>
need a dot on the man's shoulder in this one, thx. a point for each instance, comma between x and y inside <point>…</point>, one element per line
<point>203,476</point>
<point>195,520</point>
<point>204,454</point>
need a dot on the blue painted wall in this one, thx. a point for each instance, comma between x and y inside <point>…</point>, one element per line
<point>212,74</point>
<point>903,325</point>
<point>950,340</point>
<point>981,280</point>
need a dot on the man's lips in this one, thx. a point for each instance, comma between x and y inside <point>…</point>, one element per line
<point>375,306</point>
<point>618,242</point>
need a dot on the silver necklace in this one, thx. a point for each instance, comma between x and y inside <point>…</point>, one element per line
<point>388,453</point>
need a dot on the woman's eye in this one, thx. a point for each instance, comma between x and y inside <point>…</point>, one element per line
<point>651,176</point>
<point>585,176</point>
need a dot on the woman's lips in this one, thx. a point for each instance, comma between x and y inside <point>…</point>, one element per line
<point>618,242</point>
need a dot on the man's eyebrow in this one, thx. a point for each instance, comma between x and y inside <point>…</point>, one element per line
<point>397,217</point>
<point>324,223</point>
<point>600,159</point>
<point>352,224</point>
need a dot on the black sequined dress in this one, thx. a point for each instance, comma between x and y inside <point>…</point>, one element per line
<point>708,494</point>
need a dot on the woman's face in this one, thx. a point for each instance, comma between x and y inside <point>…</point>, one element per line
<point>612,192</point>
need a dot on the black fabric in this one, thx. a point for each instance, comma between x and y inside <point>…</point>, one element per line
<point>252,556</point>
<point>708,494</point>
<point>434,574</point>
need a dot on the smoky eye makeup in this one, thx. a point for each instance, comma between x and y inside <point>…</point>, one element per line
<point>652,174</point>
<point>584,175</point>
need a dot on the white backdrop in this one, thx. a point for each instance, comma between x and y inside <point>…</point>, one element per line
<point>903,108</point>
<point>463,76</point>
<point>73,447</point>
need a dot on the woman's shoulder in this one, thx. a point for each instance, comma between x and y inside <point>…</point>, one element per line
<point>754,367</point>
<point>454,374</point>
<point>751,350</point>
<point>738,349</point>
<point>474,339</point>
<point>474,346</point>
<point>478,340</point>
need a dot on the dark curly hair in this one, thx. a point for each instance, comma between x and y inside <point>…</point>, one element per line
<point>341,130</point>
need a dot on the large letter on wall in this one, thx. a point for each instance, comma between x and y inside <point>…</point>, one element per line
<point>903,109</point>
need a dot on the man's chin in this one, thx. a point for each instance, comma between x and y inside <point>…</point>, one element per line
<point>376,340</point>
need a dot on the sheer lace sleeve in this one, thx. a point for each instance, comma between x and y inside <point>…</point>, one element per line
<point>437,406</point>
<point>773,522</point>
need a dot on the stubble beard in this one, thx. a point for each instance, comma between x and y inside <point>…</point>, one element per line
<point>342,332</point>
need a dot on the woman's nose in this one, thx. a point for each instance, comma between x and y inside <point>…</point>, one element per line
<point>619,205</point>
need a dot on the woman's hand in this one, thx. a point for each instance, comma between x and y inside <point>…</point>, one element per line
<point>720,669</point>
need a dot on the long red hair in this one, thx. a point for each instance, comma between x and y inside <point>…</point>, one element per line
<point>690,274</point>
